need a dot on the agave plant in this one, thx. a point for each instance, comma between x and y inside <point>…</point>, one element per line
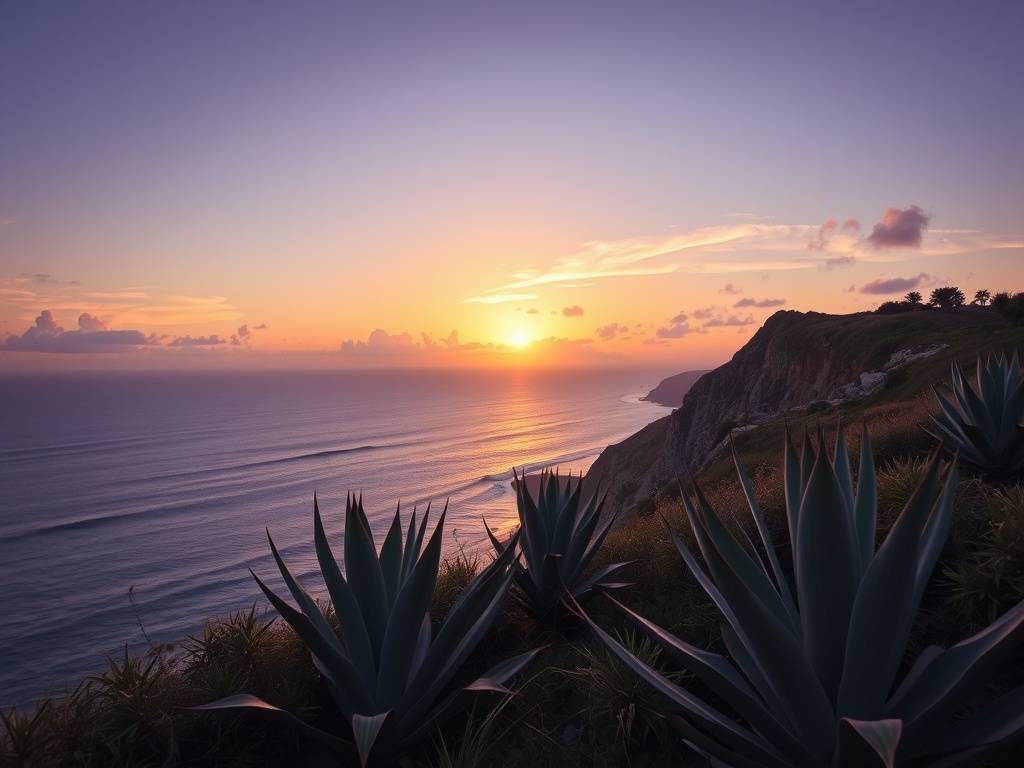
<point>811,673</point>
<point>385,668</point>
<point>559,538</point>
<point>986,425</point>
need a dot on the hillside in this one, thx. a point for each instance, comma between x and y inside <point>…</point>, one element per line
<point>795,361</point>
<point>672,390</point>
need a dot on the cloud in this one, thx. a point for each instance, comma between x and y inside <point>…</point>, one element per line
<point>730,289</point>
<point>212,340</point>
<point>261,327</point>
<point>500,298</point>
<point>92,335</point>
<point>839,262</point>
<point>244,332</point>
<point>380,342</point>
<point>675,331</point>
<point>762,303</point>
<point>825,231</point>
<point>679,318</point>
<point>533,311</point>
<point>900,228</point>
<point>881,285</point>
<point>729,322</point>
<point>611,331</point>
<point>704,314</point>
<point>852,225</point>
<point>574,311</point>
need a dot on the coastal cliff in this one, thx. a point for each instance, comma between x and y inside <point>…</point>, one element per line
<point>794,360</point>
<point>671,391</point>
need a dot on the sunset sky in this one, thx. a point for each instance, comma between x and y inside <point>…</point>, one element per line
<point>338,184</point>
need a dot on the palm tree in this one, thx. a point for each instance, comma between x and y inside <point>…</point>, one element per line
<point>912,298</point>
<point>981,297</point>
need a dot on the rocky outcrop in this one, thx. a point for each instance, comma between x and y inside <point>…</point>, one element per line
<point>672,390</point>
<point>794,359</point>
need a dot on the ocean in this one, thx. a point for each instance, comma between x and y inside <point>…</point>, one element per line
<point>164,483</point>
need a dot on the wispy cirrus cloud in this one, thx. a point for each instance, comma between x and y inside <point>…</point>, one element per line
<point>749,246</point>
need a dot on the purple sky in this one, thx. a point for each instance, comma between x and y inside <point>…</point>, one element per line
<point>257,153</point>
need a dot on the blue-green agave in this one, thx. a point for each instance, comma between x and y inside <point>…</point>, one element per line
<point>559,537</point>
<point>385,668</point>
<point>811,673</point>
<point>986,424</point>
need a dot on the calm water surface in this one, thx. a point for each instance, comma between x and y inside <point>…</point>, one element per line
<point>164,483</point>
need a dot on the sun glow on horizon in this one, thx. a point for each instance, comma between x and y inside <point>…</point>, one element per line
<point>520,339</point>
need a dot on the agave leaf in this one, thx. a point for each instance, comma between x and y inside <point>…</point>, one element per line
<point>495,678</point>
<point>748,571</point>
<point>249,702</point>
<point>364,574</point>
<point>350,616</point>
<point>926,657</point>
<point>422,646</point>
<point>754,674</point>
<point>365,729</point>
<point>953,676</point>
<point>841,465</point>
<point>936,531</point>
<point>717,754</point>
<point>402,631</point>
<point>865,506</point>
<point>599,579</point>
<point>585,543</point>
<point>743,741</point>
<point>456,700</point>
<point>827,572</point>
<point>465,611</point>
<point>391,558</point>
<point>566,522</point>
<point>792,485</point>
<point>770,642</point>
<point>495,542</point>
<point>885,605</point>
<point>965,742</point>
<point>762,528</point>
<point>310,608</point>
<point>720,676</point>
<point>408,555</point>
<point>337,664</point>
<point>867,743</point>
<point>437,672</point>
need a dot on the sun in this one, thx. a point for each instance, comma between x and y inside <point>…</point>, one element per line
<point>519,339</point>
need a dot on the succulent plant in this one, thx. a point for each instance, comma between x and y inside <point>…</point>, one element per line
<point>385,668</point>
<point>812,674</point>
<point>559,537</point>
<point>986,424</point>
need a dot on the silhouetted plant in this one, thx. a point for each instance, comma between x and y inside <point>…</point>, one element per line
<point>985,423</point>
<point>559,536</point>
<point>812,675</point>
<point>948,297</point>
<point>384,666</point>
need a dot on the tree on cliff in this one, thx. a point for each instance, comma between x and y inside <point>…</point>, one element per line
<point>912,298</point>
<point>947,297</point>
<point>981,297</point>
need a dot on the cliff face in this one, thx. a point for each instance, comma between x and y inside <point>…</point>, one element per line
<point>793,360</point>
<point>672,390</point>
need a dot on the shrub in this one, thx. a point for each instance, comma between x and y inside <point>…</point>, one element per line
<point>948,297</point>
<point>812,674</point>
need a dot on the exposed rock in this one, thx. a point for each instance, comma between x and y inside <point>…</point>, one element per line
<point>794,360</point>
